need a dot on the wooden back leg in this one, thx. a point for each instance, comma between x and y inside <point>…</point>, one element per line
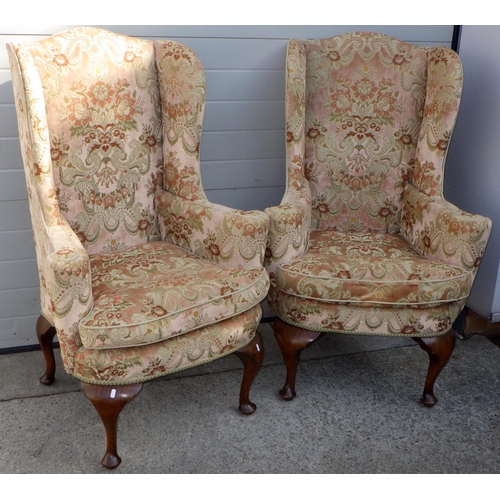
<point>45,333</point>
<point>292,341</point>
<point>439,350</point>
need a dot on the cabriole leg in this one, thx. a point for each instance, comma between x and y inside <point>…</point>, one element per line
<point>109,401</point>
<point>251,356</point>
<point>439,350</point>
<point>292,341</point>
<point>45,333</point>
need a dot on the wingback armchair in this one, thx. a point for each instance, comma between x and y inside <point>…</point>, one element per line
<point>140,275</point>
<point>363,241</point>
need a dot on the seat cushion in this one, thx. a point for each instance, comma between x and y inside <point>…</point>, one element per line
<point>362,318</point>
<point>155,291</point>
<point>130,365</point>
<point>370,269</point>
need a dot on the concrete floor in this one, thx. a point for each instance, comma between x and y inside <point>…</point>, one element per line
<point>357,411</point>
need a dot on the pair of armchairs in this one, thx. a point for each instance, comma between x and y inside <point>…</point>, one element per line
<point>141,276</point>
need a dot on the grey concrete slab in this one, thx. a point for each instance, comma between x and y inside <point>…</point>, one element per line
<point>357,411</point>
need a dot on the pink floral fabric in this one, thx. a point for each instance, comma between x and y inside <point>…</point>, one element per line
<point>230,238</point>
<point>439,230</point>
<point>222,235</point>
<point>364,105</point>
<point>155,291</point>
<point>291,221</point>
<point>105,157</point>
<point>368,269</point>
<point>129,365</point>
<point>353,318</point>
<point>363,241</point>
<point>182,92</point>
<point>107,123</point>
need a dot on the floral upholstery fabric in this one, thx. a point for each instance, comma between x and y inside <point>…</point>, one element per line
<point>352,318</point>
<point>155,291</point>
<point>106,124</point>
<point>368,269</point>
<point>129,365</point>
<point>102,110</point>
<point>363,241</point>
<point>439,230</point>
<point>182,91</point>
<point>227,237</point>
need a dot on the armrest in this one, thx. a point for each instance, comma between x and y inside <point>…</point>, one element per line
<point>440,230</point>
<point>65,283</point>
<point>289,228</point>
<point>66,269</point>
<point>230,237</point>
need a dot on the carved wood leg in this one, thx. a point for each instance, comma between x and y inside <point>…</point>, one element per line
<point>439,350</point>
<point>251,356</point>
<point>109,401</point>
<point>292,341</point>
<point>45,333</point>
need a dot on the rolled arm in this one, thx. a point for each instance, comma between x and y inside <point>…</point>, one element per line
<point>66,271</point>
<point>65,283</point>
<point>230,237</point>
<point>290,225</point>
<point>441,230</point>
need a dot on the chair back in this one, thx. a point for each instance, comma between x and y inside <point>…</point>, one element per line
<point>366,114</point>
<point>95,106</point>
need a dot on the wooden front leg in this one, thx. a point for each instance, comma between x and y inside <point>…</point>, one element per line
<point>109,401</point>
<point>251,356</point>
<point>439,350</point>
<point>45,333</point>
<point>292,341</point>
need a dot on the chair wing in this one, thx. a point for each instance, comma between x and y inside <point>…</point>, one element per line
<point>291,221</point>
<point>214,232</point>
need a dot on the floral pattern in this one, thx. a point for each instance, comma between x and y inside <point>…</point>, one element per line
<point>130,365</point>
<point>291,221</point>
<point>155,291</point>
<point>363,112</point>
<point>105,136</point>
<point>230,238</point>
<point>358,319</point>
<point>106,123</point>
<point>437,229</point>
<point>363,241</point>
<point>370,268</point>
<point>182,92</point>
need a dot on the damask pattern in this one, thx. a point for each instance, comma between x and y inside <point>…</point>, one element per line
<point>291,221</point>
<point>368,269</point>
<point>230,238</point>
<point>106,123</point>
<point>364,106</point>
<point>103,112</point>
<point>353,318</point>
<point>363,241</point>
<point>155,291</point>
<point>182,90</point>
<point>437,229</point>
<point>130,365</point>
